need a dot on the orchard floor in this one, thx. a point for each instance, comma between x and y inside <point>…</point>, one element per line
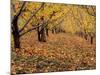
<point>61,52</point>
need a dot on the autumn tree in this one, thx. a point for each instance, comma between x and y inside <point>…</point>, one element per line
<point>15,29</point>
<point>17,33</point>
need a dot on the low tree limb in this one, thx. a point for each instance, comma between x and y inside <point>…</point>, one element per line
<point>30,29</point>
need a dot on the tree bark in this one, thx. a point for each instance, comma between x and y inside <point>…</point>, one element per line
<point>91,39</point>
<point>15,32</point>
<point>43,35</point>
<point>39,35</point>
<point>47,33</point>
<point>53,31</point>
<point>15,29</point>
<point>16,40</point>
<point>85,36</point>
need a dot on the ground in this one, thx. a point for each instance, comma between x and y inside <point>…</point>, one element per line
<point>61,52</point>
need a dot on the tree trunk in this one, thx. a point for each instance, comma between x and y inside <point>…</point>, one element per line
<point>85,36</point>
<point>47,32</point>
<point>15,32</point>
<point>43,35</point>
<point>56,30</point>
<point>53,31</point>
<point>16,40</point>
<point>39,35</point>
<point>91,39</point>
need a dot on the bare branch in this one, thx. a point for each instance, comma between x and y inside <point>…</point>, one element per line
<point>43,23</point>
<point>20,11</point>
<point>13,7</point>
<point>21,8</point>
<point>31,17</point>
<point>31,29</point>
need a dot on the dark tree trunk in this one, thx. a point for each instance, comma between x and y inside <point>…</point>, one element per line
<point>16,40</point>
<point>53,31</point>
<point>85,36</point>
<point>91,39</point>
<point>43,35</point>
<point>15,32</point>
<point>47,33</point>
<point>15,29</point>
<point>39,35</point>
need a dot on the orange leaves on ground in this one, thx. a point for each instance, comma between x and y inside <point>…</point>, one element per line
<point>62,52</point>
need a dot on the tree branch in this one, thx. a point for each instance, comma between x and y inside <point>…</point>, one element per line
<point>31,18</point>
<point>21,8</point>
<point>30,29</point>
<point>43,23</point>
<point>20,11</point>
